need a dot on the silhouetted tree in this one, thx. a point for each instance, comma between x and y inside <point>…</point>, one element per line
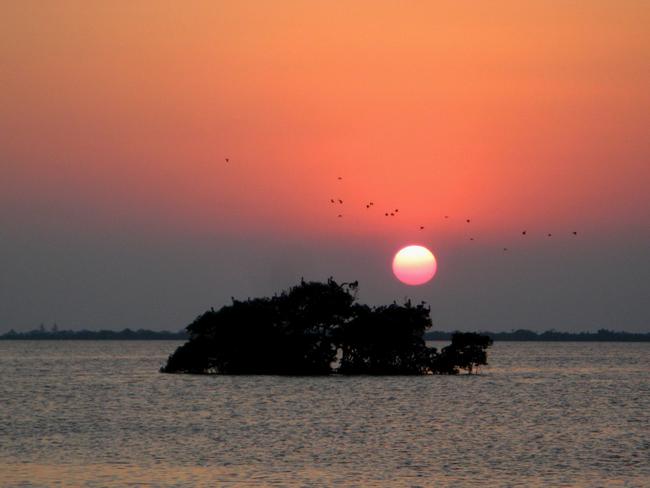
<point>386,340</point>
<point>467,351</point>
<point>300,331</point>
<point>290,333</point>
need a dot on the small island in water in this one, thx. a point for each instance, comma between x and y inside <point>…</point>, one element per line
<point>319,329</point>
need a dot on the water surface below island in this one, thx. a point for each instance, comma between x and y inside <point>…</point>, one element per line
<point>98,413</point>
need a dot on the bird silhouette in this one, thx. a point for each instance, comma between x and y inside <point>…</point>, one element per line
<point>505,248</point>
<point>421,227</point>
<point>523,233</point>
<point>550,235</point>
<point>332,200</point>
<point>340,177</point>
<point>392,214</point>
<point>340,201</point>
<point>386,214</point>
<point>446,216</point>
<point>227,160</point>
<point>575,233</point>
<point>467,221</point>
<point>340,215</point>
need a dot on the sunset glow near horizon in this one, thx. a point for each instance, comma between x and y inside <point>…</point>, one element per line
<point>464,124</point>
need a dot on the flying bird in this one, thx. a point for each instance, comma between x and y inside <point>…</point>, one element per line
<point>550,235</point>
<point>386,214</point>
<point>332,200</point>
<point>227,160</point>
<point>523,233</point>
<point>340,177</point>
<point>340,215</point>
<point>340,201</point>
<point>468,221</point>
<point>575,233</point>
<point>421,227</point>
<point>446,216</point>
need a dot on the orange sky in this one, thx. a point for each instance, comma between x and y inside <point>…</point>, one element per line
<point>510,112</point>
<point>118,115</point>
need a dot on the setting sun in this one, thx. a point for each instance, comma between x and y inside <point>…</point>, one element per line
<point>414,265</point>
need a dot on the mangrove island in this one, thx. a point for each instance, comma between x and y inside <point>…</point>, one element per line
<point>319,328</point>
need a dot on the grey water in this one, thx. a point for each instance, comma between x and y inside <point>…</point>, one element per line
<point>86,413</point>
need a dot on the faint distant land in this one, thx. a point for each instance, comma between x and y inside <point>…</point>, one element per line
<point>318,329</point>
<point>523,335</point>
<point>54,334</point>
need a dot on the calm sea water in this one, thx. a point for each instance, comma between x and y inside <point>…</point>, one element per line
<point>542,414</point>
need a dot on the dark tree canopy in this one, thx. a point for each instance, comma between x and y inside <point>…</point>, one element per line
<point>467,351</point>
<point>386,340</point>
<point>311,327</point>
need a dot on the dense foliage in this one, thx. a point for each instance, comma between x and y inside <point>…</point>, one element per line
<point>314,326</point>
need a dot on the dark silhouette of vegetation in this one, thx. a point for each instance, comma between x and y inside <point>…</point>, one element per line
<point>386,340</point>
<point>291,333</point>
<point>467,351</point>
<point>311,327</point>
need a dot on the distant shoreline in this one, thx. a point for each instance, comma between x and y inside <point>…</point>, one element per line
<point>521,335</point>
<point>94,335</point>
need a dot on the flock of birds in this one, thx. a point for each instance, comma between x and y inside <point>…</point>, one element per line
<point>395,211</point>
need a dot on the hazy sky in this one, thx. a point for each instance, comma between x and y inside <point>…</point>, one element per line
<point>117,208</point>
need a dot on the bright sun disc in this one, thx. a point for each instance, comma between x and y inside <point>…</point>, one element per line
<point>414,265</point>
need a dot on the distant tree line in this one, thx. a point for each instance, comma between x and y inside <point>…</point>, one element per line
<point>93,335</point>
<point>520,335</point>
<point>602,335</point>
<point>317,329</point>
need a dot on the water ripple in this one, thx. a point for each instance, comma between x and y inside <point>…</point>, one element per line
<point>543,414</point>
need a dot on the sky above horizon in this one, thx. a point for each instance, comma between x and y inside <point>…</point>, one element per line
<point>118,208</point>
